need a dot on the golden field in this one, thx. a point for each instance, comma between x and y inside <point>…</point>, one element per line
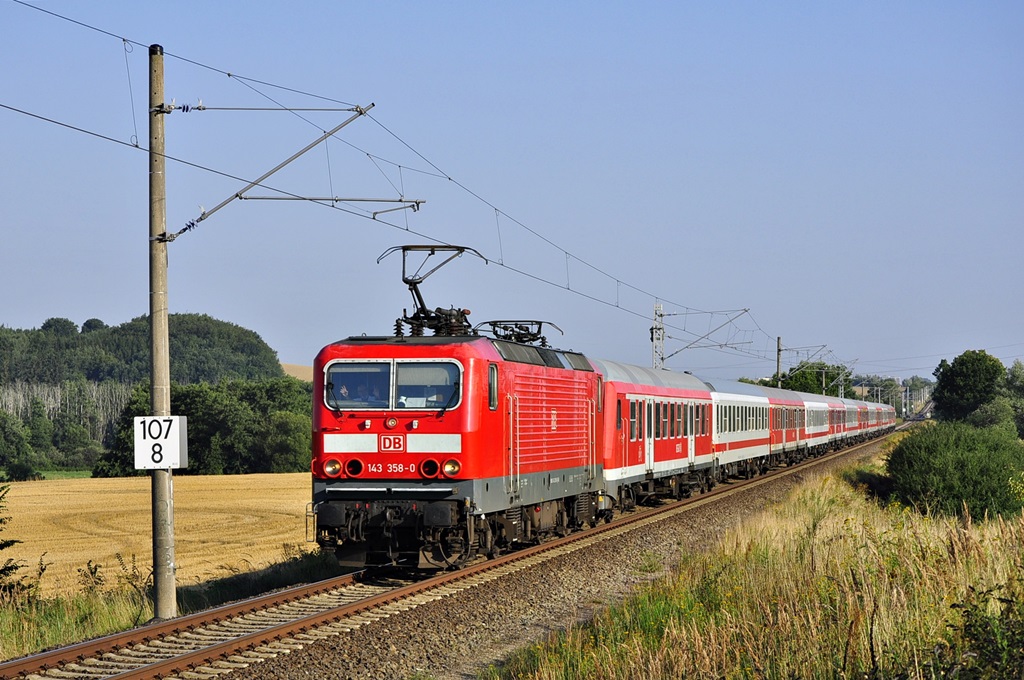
<point>298,371</point>
<point>222,525</point>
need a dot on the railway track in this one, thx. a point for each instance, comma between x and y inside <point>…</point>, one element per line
<point>217,641</point>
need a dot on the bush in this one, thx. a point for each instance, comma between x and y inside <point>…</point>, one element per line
<point>953,466</point>
<point>997,413</point>
<point>8,567</point>
<point>984,645</point>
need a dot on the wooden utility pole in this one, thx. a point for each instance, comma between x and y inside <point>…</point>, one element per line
<point>165,598</point>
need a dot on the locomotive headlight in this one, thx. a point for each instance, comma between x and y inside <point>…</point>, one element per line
<point>332,468</point>
<point>391,422</point>
<point>452,467</point>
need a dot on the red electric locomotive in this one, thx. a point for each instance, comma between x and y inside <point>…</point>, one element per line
<point>429,450</point>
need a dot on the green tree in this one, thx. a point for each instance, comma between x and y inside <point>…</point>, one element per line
<point>808,376</point>
<point>1015,392</point>
<point>916,383</point>
<point>93,325</point>
<point>14,447</point>
<point>973,379</point>
<point>40,428</point>
<point>119,459</point>
<point>76,449</point>
<point>1015,380</point>
<point>274,394</point>
<point>59,327</point>
<point>285,443</point>
<point>7,347</point>
<point>221,431</point>
<point>997,413</point>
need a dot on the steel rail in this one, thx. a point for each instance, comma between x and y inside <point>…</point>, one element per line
<point>39,663</point>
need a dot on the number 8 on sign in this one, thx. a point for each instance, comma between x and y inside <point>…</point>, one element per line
<point>161,442</point>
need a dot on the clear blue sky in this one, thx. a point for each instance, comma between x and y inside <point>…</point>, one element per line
<point>851,173</point>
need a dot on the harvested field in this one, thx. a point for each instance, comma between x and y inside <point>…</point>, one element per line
<point>299,371</point>
<point>222,525</point>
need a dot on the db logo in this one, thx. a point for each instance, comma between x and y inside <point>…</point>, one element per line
<point>392,442</point>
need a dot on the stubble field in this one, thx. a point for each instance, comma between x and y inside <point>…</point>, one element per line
<point>222,525</point>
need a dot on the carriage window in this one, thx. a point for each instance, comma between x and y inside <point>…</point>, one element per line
<point>618,414</point>
<point>632,420</point>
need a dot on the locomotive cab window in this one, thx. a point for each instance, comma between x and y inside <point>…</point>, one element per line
<point>379,385</point>
<point>427,384</point>
<point>361,385</point>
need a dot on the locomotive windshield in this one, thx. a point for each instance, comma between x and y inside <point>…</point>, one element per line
<point>358,385</point>
<point>429,385</point>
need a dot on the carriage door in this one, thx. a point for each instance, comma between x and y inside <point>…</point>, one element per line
<point>648,434</point>
<point>692,423</point>
<point>511,441</point>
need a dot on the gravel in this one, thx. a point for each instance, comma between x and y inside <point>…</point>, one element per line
<point>456,637</point>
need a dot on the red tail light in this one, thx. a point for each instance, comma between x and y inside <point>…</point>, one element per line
<point>354,467</point>
<point>429,468</point>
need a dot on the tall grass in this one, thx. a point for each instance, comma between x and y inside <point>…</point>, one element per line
<point>107,604</point>
<point>830,584</point>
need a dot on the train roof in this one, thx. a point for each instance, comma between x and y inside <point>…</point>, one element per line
<point>411,339</point>
<point>737,387</point>
<point>615,371</point>
<point>517,352</point>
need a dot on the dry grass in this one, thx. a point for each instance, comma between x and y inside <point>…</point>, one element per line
<point>223,524</point>
<point>826,585</point>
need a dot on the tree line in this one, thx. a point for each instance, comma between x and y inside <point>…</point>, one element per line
<point>67,395</point>
<point>234,427</point>
<point>202,349</point>
<point>818,377</point>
